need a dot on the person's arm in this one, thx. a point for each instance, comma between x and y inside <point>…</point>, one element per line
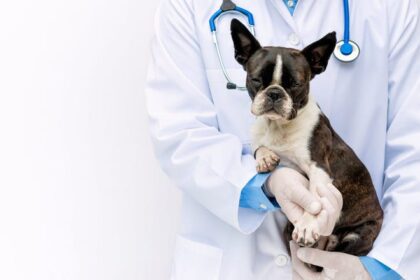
<point>397,245</point>
<point>207,164</point>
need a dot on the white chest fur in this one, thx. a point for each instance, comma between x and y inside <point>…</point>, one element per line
<point>289,140</point>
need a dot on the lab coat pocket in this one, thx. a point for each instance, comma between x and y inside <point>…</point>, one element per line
<point>195,260</point>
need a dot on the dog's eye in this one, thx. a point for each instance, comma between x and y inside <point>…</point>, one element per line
<point>256,83</point>
<point>295,85</point>
<point>292,83</point>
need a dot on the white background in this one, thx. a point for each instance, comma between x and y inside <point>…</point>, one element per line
<point>81,195</point>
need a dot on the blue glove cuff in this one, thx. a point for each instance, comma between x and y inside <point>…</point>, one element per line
<point>379,271</point>
<point>253,196</point>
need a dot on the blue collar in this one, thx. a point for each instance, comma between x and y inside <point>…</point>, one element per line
<point>291,5</point>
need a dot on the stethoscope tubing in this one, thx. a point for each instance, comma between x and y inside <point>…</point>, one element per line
<point>212,22</point>
<point>346,49</point>
<point>346,21</point>
<point>219,12</point>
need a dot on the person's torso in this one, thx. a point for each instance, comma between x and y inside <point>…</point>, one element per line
<point>354,96</point>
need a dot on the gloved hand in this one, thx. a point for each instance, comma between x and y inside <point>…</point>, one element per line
<point>290,188</point>
<point>337,266</point>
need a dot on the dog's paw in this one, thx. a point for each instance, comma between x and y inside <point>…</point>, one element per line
<point>266,159</point>
<point>306,232</point>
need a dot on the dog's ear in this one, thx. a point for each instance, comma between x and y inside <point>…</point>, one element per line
<point>244,42</point>
<point>318,53</point>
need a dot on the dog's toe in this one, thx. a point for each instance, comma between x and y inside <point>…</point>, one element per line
<point>306,232</point>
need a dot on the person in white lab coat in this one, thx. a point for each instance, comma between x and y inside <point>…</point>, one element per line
<point>200,130</point>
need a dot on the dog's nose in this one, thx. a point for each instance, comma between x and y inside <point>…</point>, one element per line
<point>274,94</point>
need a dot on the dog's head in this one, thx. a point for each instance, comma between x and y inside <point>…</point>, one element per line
<point>278,78</point>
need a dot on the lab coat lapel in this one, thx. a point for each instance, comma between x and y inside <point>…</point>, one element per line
<point>285,14</point>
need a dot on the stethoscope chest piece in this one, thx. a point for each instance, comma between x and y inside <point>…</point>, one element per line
<point>346,52</point>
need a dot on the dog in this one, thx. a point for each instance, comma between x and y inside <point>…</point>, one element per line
<point>291,128</point>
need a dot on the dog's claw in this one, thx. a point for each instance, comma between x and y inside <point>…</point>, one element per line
<point>306,231</point>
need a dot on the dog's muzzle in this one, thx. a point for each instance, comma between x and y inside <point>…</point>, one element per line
<point>273,101</point>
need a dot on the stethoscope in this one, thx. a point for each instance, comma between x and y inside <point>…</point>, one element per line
<point>346,50</point>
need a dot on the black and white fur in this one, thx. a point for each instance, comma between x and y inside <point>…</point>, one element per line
<point>291,128</point>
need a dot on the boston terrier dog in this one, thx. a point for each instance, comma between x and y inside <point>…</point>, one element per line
<point>290,128</point>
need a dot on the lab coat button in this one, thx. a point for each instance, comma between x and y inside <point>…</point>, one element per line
<point>281,260</point>
<point>294,39</point>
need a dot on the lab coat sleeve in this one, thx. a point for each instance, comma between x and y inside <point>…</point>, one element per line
<point>205,163</point>
<point>398,244</point>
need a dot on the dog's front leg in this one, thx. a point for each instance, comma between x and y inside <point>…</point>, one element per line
<point>307,229</point>
<point>317,177</point>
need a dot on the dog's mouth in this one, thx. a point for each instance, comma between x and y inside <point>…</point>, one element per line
<point>274,115</point>
<point>274,107</point>
<point>272,111</point>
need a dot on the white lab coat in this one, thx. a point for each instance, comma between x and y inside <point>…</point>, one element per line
<point>201,130</point>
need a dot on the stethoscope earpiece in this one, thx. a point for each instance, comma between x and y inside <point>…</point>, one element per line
<point>346,52</point>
